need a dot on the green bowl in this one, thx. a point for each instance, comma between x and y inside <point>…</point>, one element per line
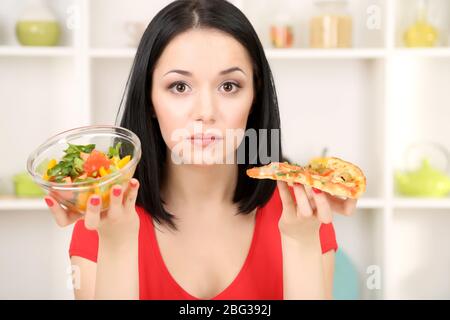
<point>38,33</point>
<point>24,186</point>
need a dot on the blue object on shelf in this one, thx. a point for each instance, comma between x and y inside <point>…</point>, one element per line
<point>345,284</point>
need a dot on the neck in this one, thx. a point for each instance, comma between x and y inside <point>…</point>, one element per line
<point>199,187</point>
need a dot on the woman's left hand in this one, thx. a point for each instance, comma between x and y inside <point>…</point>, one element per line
<point>306,209</point>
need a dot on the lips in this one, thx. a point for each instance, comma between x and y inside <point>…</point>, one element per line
<point>204,139</point>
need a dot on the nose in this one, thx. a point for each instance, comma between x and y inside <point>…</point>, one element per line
<point>205,107</point>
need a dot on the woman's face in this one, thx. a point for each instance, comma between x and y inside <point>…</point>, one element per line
<point>202,90</point>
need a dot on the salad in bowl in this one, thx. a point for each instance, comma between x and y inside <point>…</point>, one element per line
<point>80,162</point>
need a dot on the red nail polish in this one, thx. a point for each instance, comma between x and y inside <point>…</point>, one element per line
<point>117,192</point>
<point>133,183</point>
<point>316,190</point>
<point>95,201</point>
<point>49,202</point>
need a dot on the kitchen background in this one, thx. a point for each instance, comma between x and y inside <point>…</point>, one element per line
<point>366,79</point>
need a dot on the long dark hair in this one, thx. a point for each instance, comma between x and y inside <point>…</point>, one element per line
<point>175,18</point>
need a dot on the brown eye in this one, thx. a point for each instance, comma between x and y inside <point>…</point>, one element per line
<point>180,87</point>
<point>230,87</point>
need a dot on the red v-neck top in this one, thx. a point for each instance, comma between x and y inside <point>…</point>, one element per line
<point>260,277</point>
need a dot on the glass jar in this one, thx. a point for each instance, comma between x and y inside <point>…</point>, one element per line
<point>421,33</point>
<point>281,31</point>
<point>331,26</point>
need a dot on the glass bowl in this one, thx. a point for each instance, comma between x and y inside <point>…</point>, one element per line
<point>74,195</point>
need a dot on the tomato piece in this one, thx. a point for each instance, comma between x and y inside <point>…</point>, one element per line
<point>94,162</point>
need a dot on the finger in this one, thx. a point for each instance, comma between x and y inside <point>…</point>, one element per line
<point>303,207</point>
<point>342,206</point>
<point>309,193</point>
<point>116,198</point>
<point>287,200</point>
<point>130,200</point>
<point>323,206</point>
<point>62,217</point>
<point>126,191</point>
<point>92,217</point>
<point>286,196</point>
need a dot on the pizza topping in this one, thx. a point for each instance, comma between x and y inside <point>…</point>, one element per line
<point>327,172</point>
<point>308,178</point>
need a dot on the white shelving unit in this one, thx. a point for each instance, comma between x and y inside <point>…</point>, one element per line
<point>14,51</point>
<point>369,102</point>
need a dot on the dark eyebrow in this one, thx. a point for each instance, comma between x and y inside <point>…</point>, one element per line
<point>183,72</point>
<point>189,74</point>
<point>233,69</point>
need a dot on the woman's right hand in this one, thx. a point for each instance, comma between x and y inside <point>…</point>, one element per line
<point>120,222</point>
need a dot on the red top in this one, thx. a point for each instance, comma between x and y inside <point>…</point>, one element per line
<point>261,276</point>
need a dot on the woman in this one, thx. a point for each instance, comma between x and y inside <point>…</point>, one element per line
<point>202,230</point>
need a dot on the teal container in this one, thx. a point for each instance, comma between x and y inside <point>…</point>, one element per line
<point>346,278</point>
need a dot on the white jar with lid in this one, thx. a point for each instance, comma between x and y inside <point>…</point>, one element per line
<point>331,25</point>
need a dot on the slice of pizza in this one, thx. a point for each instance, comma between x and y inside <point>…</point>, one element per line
<point>329,174</point>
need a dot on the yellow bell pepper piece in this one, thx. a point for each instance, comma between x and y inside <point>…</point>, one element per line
<point>103,172</point>
<point>105,199</point>
<point>82,200</point>
<point>50,165</point>
<point>115,160</point>
<point>123,162</point>
<point>103,195</point>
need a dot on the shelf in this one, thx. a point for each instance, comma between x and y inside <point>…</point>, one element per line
<point>113,53</point>
<point>295,53</point>
<point>442,52</point>
<point>421,203</point>
<point>305,53</point>
<point>370,203</point>
<point>17,51</point>
<point>13,203</point>
<point>325,53</point>
<point>270,53</point>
